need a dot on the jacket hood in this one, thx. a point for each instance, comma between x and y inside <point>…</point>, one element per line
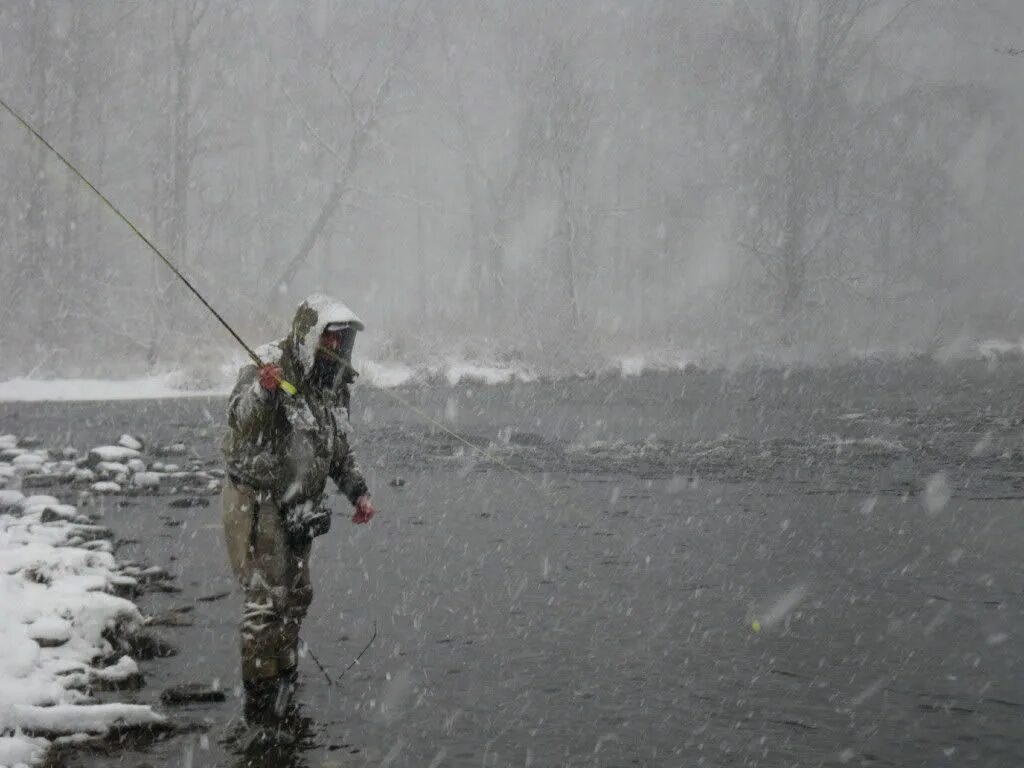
<point>311,318</point>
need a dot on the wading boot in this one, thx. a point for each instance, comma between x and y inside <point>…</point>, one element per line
<point>260,700</point>
<point>268,709</point>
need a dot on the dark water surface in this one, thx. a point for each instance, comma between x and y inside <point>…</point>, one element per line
<point>585,595</point>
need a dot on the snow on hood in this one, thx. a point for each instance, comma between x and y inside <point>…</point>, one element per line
<point>311,318</point>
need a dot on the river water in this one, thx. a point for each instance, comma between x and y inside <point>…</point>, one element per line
<point>766,568</point>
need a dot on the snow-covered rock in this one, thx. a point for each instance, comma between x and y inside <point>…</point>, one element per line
<point>112,470</point>
<point>83,718</point>
<point>106,486</point>
<point>56,616</point>
<point>137,465</point>
<point>111,453</point>
<point>21,750</point>
<point>11,499</point>
<point>146,479</point>
<point>28,463</point>
<point>50,631</point>
<point>127,441</point>
<point>124,669</point>
<point>37,503</point>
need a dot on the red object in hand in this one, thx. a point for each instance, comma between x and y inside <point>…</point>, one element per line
<point>270,376</point>
<point>364,510</point>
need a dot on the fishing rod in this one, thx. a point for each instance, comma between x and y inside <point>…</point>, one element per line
<point>285,385</point>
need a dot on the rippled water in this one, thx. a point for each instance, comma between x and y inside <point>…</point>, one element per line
<point>586,592</point>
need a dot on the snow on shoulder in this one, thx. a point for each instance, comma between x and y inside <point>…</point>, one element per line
<point>58,617</point>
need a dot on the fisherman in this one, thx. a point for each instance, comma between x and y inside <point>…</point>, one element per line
<point>280,449</point>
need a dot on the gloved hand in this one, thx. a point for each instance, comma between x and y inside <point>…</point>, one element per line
<point>364,510</point>
<point>270,376</point>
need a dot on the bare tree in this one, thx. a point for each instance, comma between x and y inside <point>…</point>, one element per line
<point>364,116</point>
<point>804,54</point>
<point>564,105</point>
<point>497,181</point>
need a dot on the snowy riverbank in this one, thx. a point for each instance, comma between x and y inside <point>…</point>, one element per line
<point>452,371</point>
<point>63,627</point>
<point>178,384</point>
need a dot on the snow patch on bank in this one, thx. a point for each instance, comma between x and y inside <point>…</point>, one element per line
<point>57,615</point>
<point>486,374</point>
<point>173,385</point>
<point>991,350</point>
<point>386,375</point>
<point>66,390</point>
<point>996,348</point>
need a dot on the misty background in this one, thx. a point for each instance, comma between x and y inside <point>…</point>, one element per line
<point>551,184</point>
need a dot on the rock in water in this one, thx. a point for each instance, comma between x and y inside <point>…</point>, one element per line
<point>169,619</point>
<point>190,693</point>
<point>146,646</point>
<point>190,501</point>
<point>57,512</point>
<point>119,676</point>
<point>213,598</point>
<point>176,449</point>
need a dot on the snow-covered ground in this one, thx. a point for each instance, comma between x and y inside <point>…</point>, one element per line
<point>58,613</point>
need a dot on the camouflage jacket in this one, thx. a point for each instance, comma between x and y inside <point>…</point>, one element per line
<point>289,446</point>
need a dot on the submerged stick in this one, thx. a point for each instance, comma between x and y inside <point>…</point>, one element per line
<point>365,649</point>
<point>317,662</point>
<point>352,664</point>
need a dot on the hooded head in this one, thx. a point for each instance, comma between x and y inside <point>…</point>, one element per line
<point>315,315</point>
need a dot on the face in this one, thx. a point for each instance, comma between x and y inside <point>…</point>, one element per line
<point>330,345</point>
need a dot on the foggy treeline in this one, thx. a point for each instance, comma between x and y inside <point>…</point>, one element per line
<point>545,181</point>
